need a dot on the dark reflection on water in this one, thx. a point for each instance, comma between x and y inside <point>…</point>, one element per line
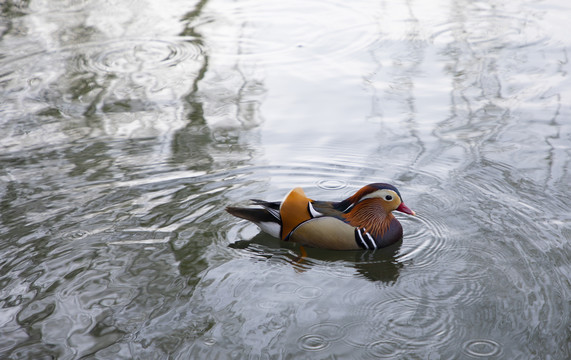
<point>126,130</point>
<point>376,266</point>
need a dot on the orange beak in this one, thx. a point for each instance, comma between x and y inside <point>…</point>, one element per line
<point>403,208</point>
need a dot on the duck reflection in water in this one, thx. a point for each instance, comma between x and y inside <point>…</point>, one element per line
<point>382,265</point>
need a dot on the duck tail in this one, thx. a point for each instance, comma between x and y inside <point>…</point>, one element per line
<point>266,219</point>
<point>254,215</point>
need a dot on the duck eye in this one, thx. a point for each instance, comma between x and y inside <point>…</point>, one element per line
<point>388,197</point>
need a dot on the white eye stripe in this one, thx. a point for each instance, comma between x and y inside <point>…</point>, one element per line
<point>384,194</point>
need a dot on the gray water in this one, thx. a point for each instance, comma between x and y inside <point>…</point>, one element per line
<point>126,127</point>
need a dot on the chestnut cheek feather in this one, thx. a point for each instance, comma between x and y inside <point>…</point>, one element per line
<point>370,215</point>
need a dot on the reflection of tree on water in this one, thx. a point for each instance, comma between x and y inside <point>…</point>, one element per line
<point>381,265</point>
<point>100,119</point>
<point>220,103</point>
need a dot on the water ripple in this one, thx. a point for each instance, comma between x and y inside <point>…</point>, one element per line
<point>309,292</point>
<point>298,34</point>
<point>404,322</point>
<point>131,55</point>
<point>119,55</point>
<point>510,30</point>
<point>328,331</point>
<point>313,342</point>
<point>331,184</point>
<point>482,348</point>
<point>384,349</point>
<point>429,237</point>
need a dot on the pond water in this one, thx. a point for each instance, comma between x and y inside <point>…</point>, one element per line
<point>126,128</point>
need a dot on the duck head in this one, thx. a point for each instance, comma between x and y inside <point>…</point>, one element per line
<point>384,195</point>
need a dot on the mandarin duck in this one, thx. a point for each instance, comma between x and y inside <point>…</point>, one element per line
<point>362,221</point>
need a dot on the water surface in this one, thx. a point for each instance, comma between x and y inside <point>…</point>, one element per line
<point>126,127</point>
